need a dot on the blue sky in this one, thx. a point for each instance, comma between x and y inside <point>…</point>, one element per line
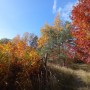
<point>19,16</point>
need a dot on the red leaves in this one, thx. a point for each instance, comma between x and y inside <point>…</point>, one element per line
<point>81,29</point>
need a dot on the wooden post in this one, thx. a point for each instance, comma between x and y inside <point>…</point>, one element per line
<point>46,56</point>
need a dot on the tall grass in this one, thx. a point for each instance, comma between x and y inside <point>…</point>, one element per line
<point>69,79</point>
<point>18,76</point>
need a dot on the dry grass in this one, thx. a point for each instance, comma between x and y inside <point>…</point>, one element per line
<point>71,79</point>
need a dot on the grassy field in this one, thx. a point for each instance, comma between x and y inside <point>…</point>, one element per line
<point>50,77</point>
<point>85,67</point>
<point>70,79</point>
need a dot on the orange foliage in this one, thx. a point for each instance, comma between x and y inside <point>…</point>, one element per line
<point>19,52</point>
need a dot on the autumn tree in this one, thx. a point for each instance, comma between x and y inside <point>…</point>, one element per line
<point>18,63</point>
<point>30,39</point>
<point>55,40</point>
<point>4,40</point>
<point>81,29</point>
<point>16,39</point>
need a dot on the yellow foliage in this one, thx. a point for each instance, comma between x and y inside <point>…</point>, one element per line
<point>19,50</point>
<point>42,41</point>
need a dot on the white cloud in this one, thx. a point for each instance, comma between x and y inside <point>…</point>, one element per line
<point>65,11</point>
<point>54,6</point>
<point>59,9</point>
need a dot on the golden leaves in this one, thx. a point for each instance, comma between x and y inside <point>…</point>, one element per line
<point>20,51</point>
<point>42,41</point>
